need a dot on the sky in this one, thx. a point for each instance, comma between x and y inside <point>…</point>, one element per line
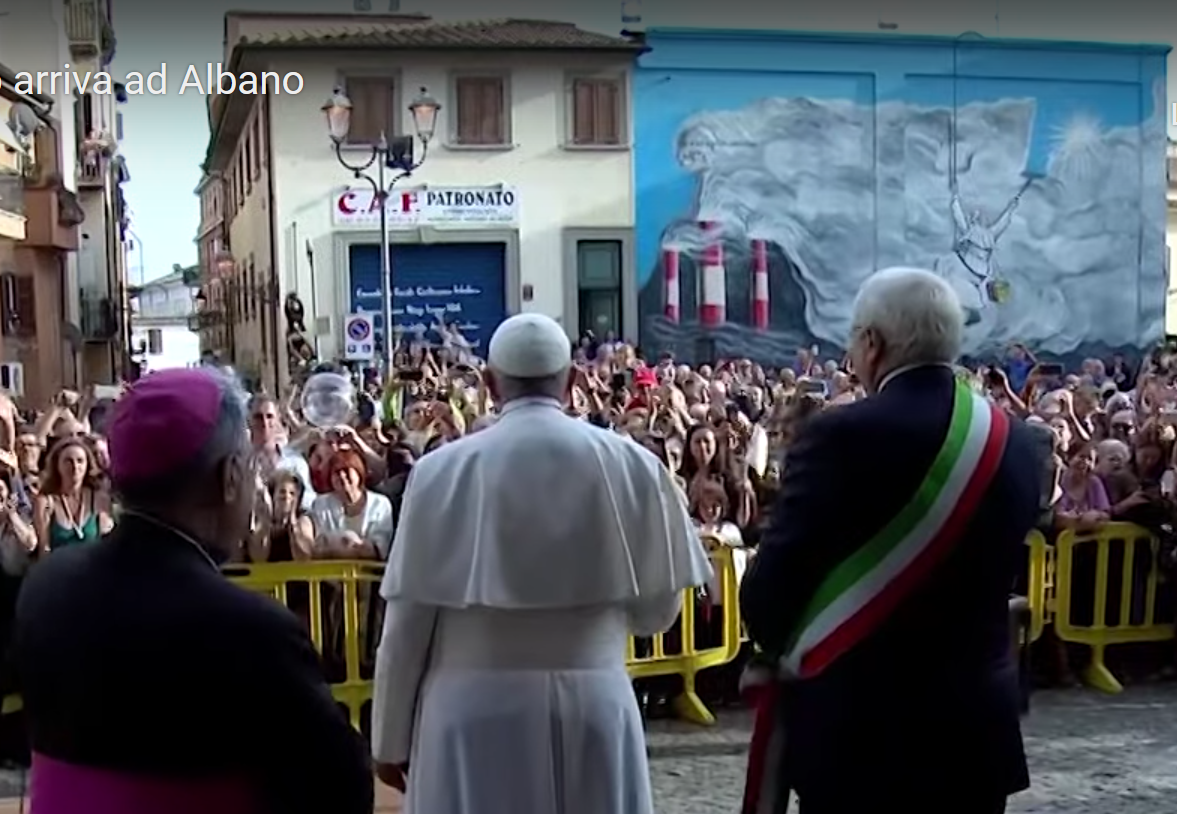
<point>165,136</point>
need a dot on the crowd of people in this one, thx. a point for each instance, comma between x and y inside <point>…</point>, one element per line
<point>727,436</point>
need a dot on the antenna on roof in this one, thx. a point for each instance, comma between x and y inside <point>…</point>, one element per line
<point>631,17</point>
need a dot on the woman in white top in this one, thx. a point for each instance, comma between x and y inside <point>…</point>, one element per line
<point>351,521</point>
<point>709,505</point>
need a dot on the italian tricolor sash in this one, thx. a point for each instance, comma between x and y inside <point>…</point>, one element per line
<point>860,593</point>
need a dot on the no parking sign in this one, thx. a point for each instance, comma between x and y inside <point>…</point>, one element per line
<point>359,343</point>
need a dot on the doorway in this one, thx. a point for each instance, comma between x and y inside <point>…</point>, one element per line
<point>598,281</point>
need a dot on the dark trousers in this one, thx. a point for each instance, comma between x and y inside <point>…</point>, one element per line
<point>962,806</point>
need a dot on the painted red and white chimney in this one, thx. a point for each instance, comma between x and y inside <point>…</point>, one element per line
<point>760,300</point>
<point>670,261</point>
<point>713,280</point>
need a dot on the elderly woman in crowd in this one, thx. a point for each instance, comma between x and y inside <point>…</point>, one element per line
<point>351,521</point>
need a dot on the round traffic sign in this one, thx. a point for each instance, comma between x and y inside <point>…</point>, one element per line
<point>359,329</point>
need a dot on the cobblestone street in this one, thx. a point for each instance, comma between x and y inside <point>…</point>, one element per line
<point>1089,754</point>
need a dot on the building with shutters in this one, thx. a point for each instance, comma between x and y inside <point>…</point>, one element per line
<point>62,255</point>
<point>161,322</point>
<point>524,201</point>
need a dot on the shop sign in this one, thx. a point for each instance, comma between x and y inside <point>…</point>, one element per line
<point>429,206</point>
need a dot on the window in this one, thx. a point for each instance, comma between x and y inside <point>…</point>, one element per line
<point>259,141</point>
<point>373,110</point>
<point>250,291</point>
<point>154,341</point>
<point>483,113</point>
<point>596,112</point>
<point>598,277</point>
<point>247,160</point>
<point>19,305</point>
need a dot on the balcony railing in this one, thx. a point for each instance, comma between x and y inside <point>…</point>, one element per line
<point>92,172</point>
<point>12,192</point>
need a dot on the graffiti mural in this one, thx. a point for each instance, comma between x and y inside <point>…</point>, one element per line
<point>775,172</point>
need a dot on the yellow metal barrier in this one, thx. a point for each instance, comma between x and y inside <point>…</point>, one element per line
<point>692,660</point>
<point>276,580</point>
<point>1040,584</point>
<point>1125,539</point>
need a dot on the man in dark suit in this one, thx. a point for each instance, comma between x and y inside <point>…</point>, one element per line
<point>151,682</point>
<point>917,708</point>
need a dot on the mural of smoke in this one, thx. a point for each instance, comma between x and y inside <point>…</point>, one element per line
<point>824,192</point>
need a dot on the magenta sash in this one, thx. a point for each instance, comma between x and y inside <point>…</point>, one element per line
<point>65,788</point>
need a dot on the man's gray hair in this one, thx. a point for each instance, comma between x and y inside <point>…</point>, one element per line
<point>511,388</point>
<point>915,312</point>
<point>227,437</point>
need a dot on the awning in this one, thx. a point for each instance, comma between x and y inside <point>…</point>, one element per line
<point>9,141</point>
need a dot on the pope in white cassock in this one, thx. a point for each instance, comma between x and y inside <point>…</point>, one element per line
<point>525,556</point>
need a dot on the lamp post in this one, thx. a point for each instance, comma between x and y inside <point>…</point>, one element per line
<point>394,154</point>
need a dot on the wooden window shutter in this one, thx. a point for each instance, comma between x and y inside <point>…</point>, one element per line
<point>596,111</point>
<point>372,110</point>
<point>582,112</point>
<point>24,306</point>
<point>482,114</point>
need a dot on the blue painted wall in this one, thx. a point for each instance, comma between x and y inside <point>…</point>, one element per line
<point>462,283</point>
<point>1030,174</point>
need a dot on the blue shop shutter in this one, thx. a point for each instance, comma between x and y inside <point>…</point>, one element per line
<point>464,281</point>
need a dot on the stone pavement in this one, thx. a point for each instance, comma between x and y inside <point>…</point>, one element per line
<point>1089,754</point>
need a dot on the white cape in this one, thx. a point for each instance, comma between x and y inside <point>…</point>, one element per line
<point>542,510</point>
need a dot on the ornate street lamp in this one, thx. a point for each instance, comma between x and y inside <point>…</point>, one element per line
<point>386,154</point>
<point>424,109</point>
<point>338,112</point>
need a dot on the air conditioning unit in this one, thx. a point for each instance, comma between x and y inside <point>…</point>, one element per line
<point>12,378</point>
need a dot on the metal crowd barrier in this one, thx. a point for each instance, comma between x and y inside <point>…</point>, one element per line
<point>353,584</point>
<point>690,660</point>
<point>1039,585</point>
<point>355,689</point>
<point>1122,611</point>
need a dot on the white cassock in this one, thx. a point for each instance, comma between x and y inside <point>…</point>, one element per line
<point>525,556</point>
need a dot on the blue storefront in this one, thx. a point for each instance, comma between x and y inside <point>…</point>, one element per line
<point>460,284</point>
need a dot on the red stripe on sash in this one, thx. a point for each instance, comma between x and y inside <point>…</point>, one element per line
<point>878,608</point>
<point>764,723</point>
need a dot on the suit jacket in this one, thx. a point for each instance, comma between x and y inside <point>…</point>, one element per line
<point>136,655</point>
<point>930,700</point>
